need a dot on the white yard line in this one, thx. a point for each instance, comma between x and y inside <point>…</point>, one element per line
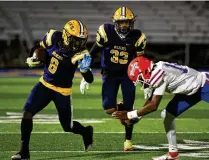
<point>15,120</point>
<point>84,151</point>
<point>201,154</point>
<point>105,132</point>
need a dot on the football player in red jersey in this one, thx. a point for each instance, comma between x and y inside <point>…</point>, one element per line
<point>188,85</point>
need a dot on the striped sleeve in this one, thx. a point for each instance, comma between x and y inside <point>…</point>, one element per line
<point>157,78</point>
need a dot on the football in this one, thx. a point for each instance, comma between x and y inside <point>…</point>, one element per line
<point>40,54</point>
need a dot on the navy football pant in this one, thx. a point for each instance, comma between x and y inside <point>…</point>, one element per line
<point>181,103</point>
<point>110,87</point>
<point>41,96</point>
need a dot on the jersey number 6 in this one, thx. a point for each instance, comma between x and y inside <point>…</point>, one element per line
<point>119,56</point>
<point>53,65</point>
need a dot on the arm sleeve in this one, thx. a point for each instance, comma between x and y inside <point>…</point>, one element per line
<point>95,49</point>
<point>88,76</point>
<point>157,78</point>
<point>140,45</point>
<point>101,39</point>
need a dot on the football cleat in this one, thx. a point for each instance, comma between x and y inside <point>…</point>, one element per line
<point>169,156</point>
<point>20,156</point>
<point>128,145</point>
<point>88,138</point>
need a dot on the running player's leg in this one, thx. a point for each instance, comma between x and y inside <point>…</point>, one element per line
<point>37,100</point>
<point>128,91</point>
<point>178,105</point>
<point>65,110</point>
<point>110,89</point>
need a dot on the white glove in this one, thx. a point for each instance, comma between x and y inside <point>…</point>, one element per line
<point>32,62</point>
<point>147,92</point>
<point>83,86</point>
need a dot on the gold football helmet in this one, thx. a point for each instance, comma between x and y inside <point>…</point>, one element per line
<point>74,35</point>
<point>123,19</point>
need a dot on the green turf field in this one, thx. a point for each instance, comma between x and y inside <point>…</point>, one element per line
<point>48,141</point>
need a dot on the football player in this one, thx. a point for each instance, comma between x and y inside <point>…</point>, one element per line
<point>118,44</point>
<point>188,85</point>
<point>64,52</point>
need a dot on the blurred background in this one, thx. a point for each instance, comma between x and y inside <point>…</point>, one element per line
<point>176,31</point>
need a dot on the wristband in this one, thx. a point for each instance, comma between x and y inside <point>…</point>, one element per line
<point>132,114</point>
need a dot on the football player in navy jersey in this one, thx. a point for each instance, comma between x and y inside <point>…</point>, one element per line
<point>118,44</point>
<point>65,51</point>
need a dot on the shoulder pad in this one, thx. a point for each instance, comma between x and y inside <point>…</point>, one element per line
<point>102,33</point>
<point>51,36</point>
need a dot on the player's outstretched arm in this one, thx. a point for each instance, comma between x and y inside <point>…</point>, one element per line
<point>87,78</point>
<point>150,106</point>
<point>83,86</point>
<point>85,70</point>
<point>95,49</point>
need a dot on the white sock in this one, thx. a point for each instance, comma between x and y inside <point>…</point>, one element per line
<point>170,128</point>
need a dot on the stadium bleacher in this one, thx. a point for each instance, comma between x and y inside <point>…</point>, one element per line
<point>161,21</point>
<point>170,26</point>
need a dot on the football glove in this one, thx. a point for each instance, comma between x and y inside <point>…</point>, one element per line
<point>32,62</point>
<point>85,63</point>
<point>84,86</point>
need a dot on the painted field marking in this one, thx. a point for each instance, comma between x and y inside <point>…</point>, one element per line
<point>107,132</point>
<point>51,121</point>
<point>204,154</point>
<point>195,142</point>
<point>199,147</point>
<point>84,151</point>
<point>15,118</point>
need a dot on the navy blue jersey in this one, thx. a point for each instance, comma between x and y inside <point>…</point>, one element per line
<point>61,63</point>
<point>117,53</point>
